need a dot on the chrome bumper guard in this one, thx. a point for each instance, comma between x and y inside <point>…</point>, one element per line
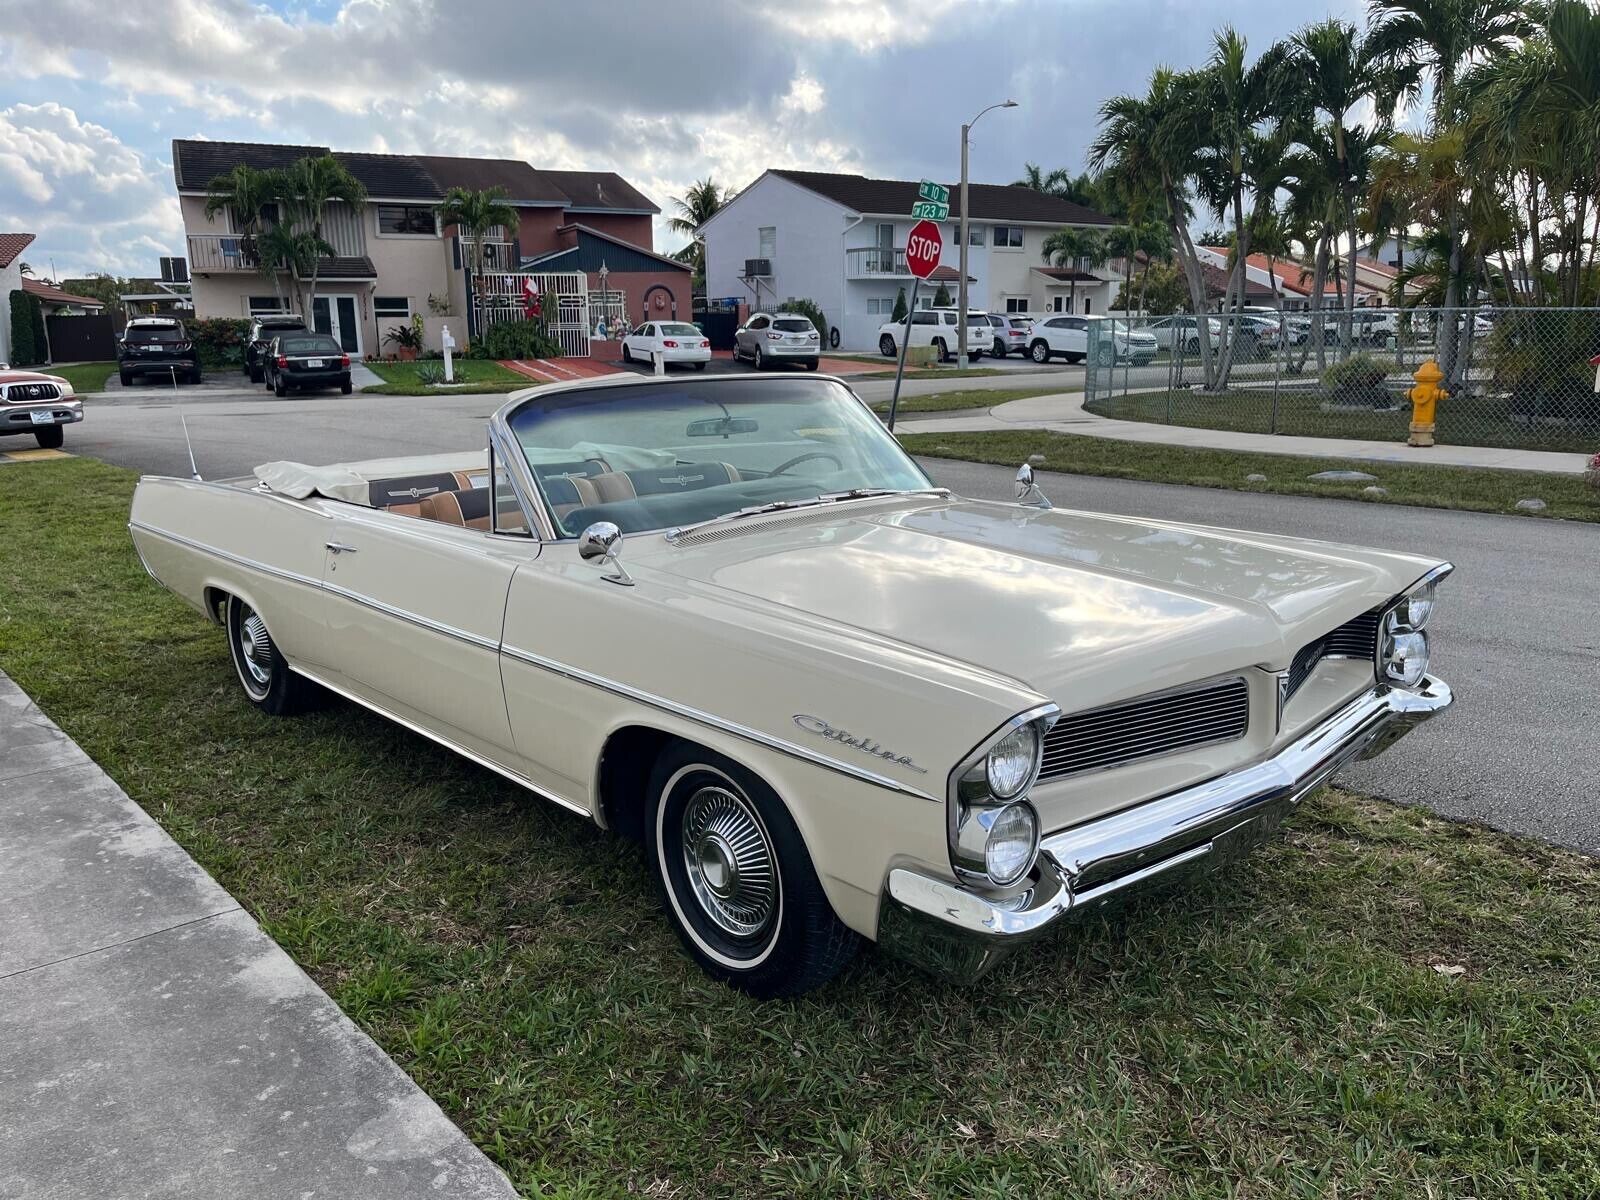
<point>959,933</point>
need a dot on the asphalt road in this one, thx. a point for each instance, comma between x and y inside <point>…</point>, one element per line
<point>1517,634</point>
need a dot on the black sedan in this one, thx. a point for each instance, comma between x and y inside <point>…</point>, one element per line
<point>262,330</point>
<point>306,360</point>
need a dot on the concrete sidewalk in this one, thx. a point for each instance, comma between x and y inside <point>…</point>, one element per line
<point>1065,413</point>
<point>157,1042</point>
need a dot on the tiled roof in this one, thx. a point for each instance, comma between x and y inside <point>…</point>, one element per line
<point>416,176</point>
<point>358,267</point>
<point>1216,280</point>
<point>990,201</point>
<point>944,274</point>
<point>11,245</point>
<point>521,182</point>
<point>599,189</point>
<point>1291,276</point>
<point>54,295</point>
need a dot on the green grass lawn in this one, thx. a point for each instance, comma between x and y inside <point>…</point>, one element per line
<point>978,398</point>
<point>85,377</point>
<point>473,376</point>
<point>1568,496</point>
<point>1281,1031</point>
<point>1466,421</point>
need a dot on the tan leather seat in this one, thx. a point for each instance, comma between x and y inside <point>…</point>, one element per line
<point>404,495</point>
<point>468,508</point>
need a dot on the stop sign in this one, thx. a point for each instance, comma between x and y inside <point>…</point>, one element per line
<point>923,247</point>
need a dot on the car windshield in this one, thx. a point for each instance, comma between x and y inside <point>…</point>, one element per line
<point>679,329</point>
<point>660,455</point>
<point>309,345</point>
<point>792,324</point>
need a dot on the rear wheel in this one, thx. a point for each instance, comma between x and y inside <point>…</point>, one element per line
<point>886,346</point>
<point>346,387</point>
<point>49,437</point>
<point>1039,351</point>
<point>699,366</point>
<point>739,886</point>
<point>941,349</point>
<point>758,360</point>
<point>626,356</point>
<point>279,388</point>
<point>999,348</point>
<point>124,378</point>
<point>268,682</point>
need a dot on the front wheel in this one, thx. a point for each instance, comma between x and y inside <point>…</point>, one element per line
<point>1039,351</point>
<point>268,682</point>
<point>626,356</point>
<point>49,437</point>
<point>739,886</point>
<point>811,364</point>
<point>941,349</point>
<point>886,346</point>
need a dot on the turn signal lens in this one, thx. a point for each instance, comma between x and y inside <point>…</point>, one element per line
<point>1012,843</point>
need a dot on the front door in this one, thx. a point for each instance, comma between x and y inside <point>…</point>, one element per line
<point>335,316</point>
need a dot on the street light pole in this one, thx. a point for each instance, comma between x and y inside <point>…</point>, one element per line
<point>961,284</point>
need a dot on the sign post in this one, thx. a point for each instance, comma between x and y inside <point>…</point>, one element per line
<point>924,245</point>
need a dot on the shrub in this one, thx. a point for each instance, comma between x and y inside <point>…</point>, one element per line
<point>220,340</point>
<point>432,373</point>
<point>407,337</point>
<point>809,310</point>
<point>1591,473</point>
<point>23,351</point>
<point>516,339</point>
<point>941,298</point>
<point>899,306</point>
<point>41,339</point>
<point>1357,380</point>
<point>1541,358</point>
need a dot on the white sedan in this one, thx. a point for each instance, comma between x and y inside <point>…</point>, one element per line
<point>672,341</point>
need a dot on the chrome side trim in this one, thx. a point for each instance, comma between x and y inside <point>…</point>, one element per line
<point>701,717</point>
<point>236,559</point>
<point>522,780</point>
<point>411,618</point>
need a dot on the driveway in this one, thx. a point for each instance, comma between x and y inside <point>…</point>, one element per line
<point>1517,636</point>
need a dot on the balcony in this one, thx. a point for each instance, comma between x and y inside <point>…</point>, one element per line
<point>875,262</point>
<point>211,252</point>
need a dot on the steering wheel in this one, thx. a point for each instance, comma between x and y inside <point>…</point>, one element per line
<point>800,458</point>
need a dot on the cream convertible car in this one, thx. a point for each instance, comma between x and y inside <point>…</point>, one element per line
<point>833,700</point>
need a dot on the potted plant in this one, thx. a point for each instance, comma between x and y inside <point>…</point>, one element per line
<point>407,341</point>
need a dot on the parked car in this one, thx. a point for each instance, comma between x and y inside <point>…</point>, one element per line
<point>1182,331</point>
<point>1010,334</point>
<point>778,337</point>
<point>157,346</point>
<point>936,327</point>
<point>1059,337</point>
<point>834,701</point>
<point>298,362</point>
<point>1119,342</point>
<point>36,403</point>
<point>262,330</point>
<point>674,341</point>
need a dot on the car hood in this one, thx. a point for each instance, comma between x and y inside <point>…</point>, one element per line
<point>1060,602</point>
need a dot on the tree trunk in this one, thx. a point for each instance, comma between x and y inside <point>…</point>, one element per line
<point>1196,279</point>
<point>1350,231</point>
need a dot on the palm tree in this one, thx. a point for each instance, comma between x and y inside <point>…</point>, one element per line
<point>1439,38</point>
<point>281,247</point>
<point>1337,69</point>
<point>476,215</point>
<point>694,208</point>
<point>309,186</point>
<point>245,192</point>
<point>1131,242</point>
<point>1035,177</point>
<point>1079,249</point>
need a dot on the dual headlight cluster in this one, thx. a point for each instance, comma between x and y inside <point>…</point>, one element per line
<point>1402,635</point>
<point>994,831</point>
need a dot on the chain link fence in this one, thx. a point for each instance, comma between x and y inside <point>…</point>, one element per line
<point>1518,378</point>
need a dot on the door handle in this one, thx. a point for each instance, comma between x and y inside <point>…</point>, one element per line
<point>340,547</point>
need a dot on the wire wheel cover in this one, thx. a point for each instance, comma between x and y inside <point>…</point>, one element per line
<point>255,647</point>
<point>730,862</point>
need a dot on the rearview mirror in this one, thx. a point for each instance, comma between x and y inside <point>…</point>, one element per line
<point>721,426</point>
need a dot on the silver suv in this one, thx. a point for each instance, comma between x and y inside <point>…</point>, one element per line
<point>778,337</point>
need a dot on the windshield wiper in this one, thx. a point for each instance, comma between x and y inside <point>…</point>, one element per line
<point>772,506</point>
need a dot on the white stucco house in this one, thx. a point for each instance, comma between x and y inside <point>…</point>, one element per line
<point>839,240</point>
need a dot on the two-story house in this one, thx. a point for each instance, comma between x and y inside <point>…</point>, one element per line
<point>839,240</point>
<point>394,257</point>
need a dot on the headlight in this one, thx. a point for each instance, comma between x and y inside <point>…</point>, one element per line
<point>1013,838</point>
<point>1413,612</point>
<point>1404,657</point>
<point>1011,761</point>
<point>994,831</point>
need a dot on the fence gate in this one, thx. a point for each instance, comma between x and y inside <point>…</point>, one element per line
<point>563,302</point>
<point>81,339</point>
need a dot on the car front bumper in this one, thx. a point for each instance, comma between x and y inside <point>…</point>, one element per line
<point>959,933</point>
<point>18,418</point>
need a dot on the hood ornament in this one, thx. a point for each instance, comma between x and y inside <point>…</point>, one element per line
<point>1028,493</point>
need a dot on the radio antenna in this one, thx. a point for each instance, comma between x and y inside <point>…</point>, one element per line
<point>194,469</point>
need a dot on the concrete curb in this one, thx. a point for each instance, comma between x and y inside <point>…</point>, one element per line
<point>158,1042</point>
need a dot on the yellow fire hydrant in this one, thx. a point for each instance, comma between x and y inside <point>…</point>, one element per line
<point>1423,397</point>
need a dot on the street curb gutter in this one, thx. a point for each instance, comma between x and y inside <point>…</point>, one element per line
<point>158,1041</point>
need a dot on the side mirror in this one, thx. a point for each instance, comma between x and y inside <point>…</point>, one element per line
<point>1028,492</point>
<point>603,541</point>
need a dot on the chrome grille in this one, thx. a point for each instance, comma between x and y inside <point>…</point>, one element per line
<point>1101,738</point>
<point>20,393</point>
<point>1356,638</point>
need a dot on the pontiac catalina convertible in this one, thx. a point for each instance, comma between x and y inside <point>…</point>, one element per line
<point>833,700</point>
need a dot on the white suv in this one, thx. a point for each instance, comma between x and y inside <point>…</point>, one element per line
<point>1059,337</point>
<point>936,327</point>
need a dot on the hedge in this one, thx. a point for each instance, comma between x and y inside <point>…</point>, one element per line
<point>27,329</point>
<point>220,340</point>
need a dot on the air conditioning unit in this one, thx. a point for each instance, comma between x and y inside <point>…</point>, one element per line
<point>758,268</point>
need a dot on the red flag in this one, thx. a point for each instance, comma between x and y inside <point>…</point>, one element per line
<point>530,298</point>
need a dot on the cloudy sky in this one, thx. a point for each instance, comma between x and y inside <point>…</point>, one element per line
<point>92,92</point>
